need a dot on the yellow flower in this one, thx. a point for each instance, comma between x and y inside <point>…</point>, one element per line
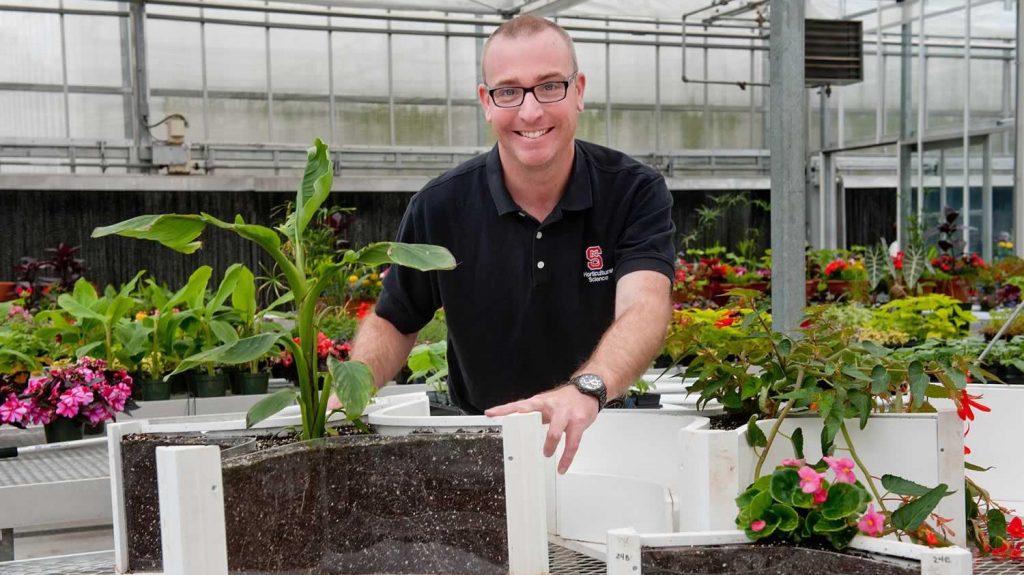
<point>374,276</point>
<point>353,279</point>
<point>140,316</point>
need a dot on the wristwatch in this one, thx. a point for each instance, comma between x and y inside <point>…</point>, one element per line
<point>592,385</point>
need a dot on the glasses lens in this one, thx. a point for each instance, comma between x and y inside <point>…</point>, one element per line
<point>507,97</point>
<point>550,92</point>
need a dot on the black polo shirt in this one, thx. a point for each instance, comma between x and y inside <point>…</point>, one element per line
<point>528,301</point>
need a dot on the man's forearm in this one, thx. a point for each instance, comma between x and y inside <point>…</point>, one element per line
<point>381,346</point>
<point>634,338</point>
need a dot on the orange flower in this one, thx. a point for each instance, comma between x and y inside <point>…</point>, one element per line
<point>728,318</point>
<point>1015,529</point>
<point>930,538</point>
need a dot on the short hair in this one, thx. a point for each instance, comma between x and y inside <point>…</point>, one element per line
<point>524,27</point>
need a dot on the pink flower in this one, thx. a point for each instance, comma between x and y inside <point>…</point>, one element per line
<point>81,394</point>
<point>34,385</point>
<point>810,480</point>
<point>97,414</point>
<point>116,395</point>
<point>67,407</point>
<point>843,469</point>
<point>38,415</point>
<point>12,410</point>
<point>757,526</point>
<point>820,496</point>
<point>872,523</point>
<point>792,462</point>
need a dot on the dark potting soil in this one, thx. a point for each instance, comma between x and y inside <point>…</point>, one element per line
<point>425,503</point>
<point>768,560</point>
<point>728,421</point>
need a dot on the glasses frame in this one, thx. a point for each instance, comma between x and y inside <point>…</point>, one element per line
<point>565,84</point>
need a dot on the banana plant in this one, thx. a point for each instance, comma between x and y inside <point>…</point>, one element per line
<point>92,311</point>
<point>352,381</point>
<point>250,318</point>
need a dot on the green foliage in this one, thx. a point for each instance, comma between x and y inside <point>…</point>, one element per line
<point>924,317</point>
<point>181,232</point>
<point>430,360</point>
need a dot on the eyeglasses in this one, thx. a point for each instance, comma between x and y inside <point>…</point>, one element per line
<point>546,93</point>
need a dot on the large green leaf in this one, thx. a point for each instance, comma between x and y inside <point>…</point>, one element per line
<point>77,309</point>
<point>234,353</point>
<point>785,482</point>
<point>262,235</point>
<point>918,380</point>
<point>84,292</point>
<point>313,190</point>
<point>797,439</point>
<point>176,231</point>
<point>192,291</point>
<point>353,384</point>
<point>226,287</point>
<point>843,501</point>
<point>29,362</point>
<point>900,486</point>
<point>909,516</point>
<point>788,518</point>
<point>422,257</point>
<point>914,261</point>
<point>879,379</point>
<point>224,331</point>
<point>755,437</point>
<point>270,405</point>
<point>243,298</point>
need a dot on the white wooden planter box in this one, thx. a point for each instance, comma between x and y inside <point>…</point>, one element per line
<point>993,440</point>
<point>718,465</point>
<point>625,547</point>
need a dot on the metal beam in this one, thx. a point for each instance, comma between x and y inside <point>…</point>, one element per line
<point>1018,169</point>
<point>546,7</point>
<point>788,117</point>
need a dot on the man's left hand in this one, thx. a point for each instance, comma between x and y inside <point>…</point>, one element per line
<point>565,410</point>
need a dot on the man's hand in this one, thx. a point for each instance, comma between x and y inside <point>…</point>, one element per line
<point>333,404</point>
<point>564,409</point>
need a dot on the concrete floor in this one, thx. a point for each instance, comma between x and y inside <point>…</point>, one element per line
<point>62,540</point>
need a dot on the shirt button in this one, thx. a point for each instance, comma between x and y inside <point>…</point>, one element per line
<point>522,215</point>
<point>540,235</point>
<point>540,265</point>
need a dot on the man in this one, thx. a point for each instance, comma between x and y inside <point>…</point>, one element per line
<point>564,252</point>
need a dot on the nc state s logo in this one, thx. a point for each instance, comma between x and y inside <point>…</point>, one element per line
<point>594,259</point>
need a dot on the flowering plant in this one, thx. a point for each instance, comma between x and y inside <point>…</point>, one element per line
<point>85,391</point>
<point>849,269</point>
<point>965,265</point>
<point>325,347</point>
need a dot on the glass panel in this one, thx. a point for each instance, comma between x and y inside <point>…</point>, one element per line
<point>360,64</point>
<point>97,116</point>
<point>93,50</point>
<point>464,70</point>
<point>591,61</point>
<point>632,69</point>
<point>418,66</point>
<point>591,125</point>
<point>301,122</point>
<point>633,130</point>
<point>192,108</point>
<point>466,123</point>
<point>30,50</point>
<point>421,126</point>
<point>238,120</point>
<point>730,130</point>
<point>299,62</point>
<point>31,115</point>
<point>362,124</point>
<point>174,54</point>
<point>236,58</point>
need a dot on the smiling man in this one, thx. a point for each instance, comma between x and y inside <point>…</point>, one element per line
<point>565,253</point>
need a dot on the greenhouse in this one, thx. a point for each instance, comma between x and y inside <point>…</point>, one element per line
<point>518,287</point>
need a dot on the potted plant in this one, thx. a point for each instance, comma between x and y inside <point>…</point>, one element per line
<point>923,317</point>
<point>67,398</point>
<point>254,377</point>
<point>955,268</point>
<point>351,381</point>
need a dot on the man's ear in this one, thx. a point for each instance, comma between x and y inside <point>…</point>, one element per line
<point>581,86</point>
<point>485,101</point>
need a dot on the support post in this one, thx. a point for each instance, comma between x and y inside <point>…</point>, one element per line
<point>788,148</point>
<point>1018,154</point>
<point>141,140</point>
<point>623,552</point>
<point>6,544</point>
<point>192,510</point>
<point>525,494</point>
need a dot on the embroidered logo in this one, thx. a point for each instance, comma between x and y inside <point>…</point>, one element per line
<point>595,265</point>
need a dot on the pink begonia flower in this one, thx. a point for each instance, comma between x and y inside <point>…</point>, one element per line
<point>810,480</point>
<point>843,469</point>
<point>67,409</point>
<point>792,462</point>
<point>820,496</point>
<point>12,410</point>
<point>757,526</point>
<point>872,523</point>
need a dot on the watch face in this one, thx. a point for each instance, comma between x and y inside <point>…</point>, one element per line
<point>590,382</point>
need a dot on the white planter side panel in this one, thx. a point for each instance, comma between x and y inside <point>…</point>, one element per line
<point>623,551</point>
<point>992,442</point>
<point>589,505</point>
<point>925,448</point>
<point>192,510</point>
<point>115,431</point>
<point>525,503</point>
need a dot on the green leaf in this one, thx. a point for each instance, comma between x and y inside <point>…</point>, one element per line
<point>422,257</point>
<point>785,347</point>
<point>760,504</point>
<point>243,298</point>
<point>861,402</point>
<point>755,437</point>
<point>797,439</point>
<point>854,373</point>
<point>956,376</point>
<point>226,287</point>
<point>315,186</point>
<point>234,353</point>
<point>901,486</point>
<point>918,382</point>
<point>909,516</point>
<point>172,230</point>
<point>829,525</point>
<point>973,467</point>
<point>270,405</point>
<point>77,309</point>
<point>264,236</point>
<point>771,522</point>
<point>192,291</point>
<point>936,392</point>
<point>88,348</point>
<point>784,483</point>
<point>223,331</point>
<point>84,292</point>
<point>353,384</point>
<point>29,362</point>
<point>789,520</point>
<point>996,525</point>
<point>843,501</point>
<point>879,379</point>
<point>874,349</point>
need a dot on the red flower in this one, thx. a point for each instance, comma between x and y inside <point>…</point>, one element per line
<point>364,308</point>
<point>1015,529</point>
<point>931,538</point>
<point>728,318</point>
<point>897,261</point>
<point>965,404</point>
<point>835,268</point>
